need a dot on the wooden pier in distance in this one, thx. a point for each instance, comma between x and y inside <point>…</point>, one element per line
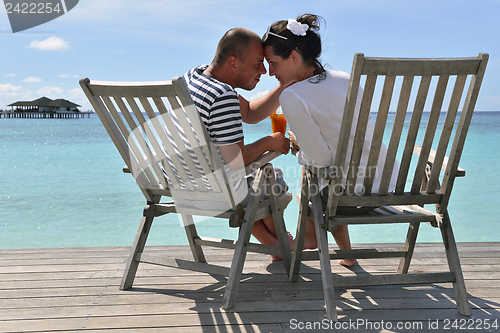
<point>45,114</point>
<point>77,290</point>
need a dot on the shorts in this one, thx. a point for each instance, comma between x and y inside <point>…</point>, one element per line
<point>279,188</point>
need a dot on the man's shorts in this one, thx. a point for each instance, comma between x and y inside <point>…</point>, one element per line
<point>279,188</point>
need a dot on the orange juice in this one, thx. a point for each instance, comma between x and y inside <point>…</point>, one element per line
<point>278,122</point>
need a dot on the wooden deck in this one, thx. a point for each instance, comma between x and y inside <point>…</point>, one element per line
<point>76,290</point>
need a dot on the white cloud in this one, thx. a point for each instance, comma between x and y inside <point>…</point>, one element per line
<point>10,94</point>
<point>52,91</point>
<point>75,93</point>
<point>77,96</point>
<point>65,76</point>
<point>11,75</point>
<point>495,100</point>
<point>50,44</point>
<point>9,88</point>
<point>259,95</point>
<point>32,79</point>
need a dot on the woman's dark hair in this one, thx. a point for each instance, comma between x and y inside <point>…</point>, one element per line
<point>308,46</point>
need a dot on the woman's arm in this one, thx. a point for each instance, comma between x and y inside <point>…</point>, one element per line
<point>255,111</point>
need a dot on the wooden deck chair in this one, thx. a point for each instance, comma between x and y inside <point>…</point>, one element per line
<point>420,181</point>
<point>157,130</point>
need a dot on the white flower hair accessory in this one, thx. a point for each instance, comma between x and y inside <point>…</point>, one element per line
<point>298,29</point>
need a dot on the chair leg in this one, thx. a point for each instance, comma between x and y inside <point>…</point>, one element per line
<point>324,256</point>
<point>279,223</point>
<point>301,229</point>
<point>455,267</point>
<point>233,281</point>
<point>191,233</point>
<point>411,239</point>
<point>137,247</point>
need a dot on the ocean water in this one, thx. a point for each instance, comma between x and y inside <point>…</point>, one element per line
<point>61,185</point>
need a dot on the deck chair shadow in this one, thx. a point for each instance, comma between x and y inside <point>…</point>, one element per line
<point>418,143</point>
<point>159,133</point>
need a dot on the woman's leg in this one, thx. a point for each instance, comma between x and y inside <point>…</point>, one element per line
<point>342,239</point>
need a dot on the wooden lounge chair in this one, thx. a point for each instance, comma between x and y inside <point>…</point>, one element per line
<point>420,180</point>
<point>143,121</point>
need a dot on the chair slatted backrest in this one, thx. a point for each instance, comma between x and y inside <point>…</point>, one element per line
<point>422,88</point>
<point>157,130</point>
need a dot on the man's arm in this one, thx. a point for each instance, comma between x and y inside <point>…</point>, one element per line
<point>254,111</point>
<point>233,153</point>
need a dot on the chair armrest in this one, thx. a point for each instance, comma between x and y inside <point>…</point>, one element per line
<point>256,164</point>
<point>432,155</point>
<point>261,160</point>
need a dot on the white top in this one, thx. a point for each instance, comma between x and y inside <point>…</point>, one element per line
<point>314,113</point>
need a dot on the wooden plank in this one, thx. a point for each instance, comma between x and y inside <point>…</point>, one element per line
<point>379,129</point>
<point>446,132</point>
<point>209,321</point>
<point>357,254</point>
<point>444,164</point>
<point>411,138</point>
<point>183,264</point>
<point>397,129</point>
<point>418,66</point>
<point>241,249</point>
<point>322,239</point>
<point>359,135</point>
<point>301,227</point>
<point>430,131</point>
<point>136,89</point>
<point>85,296</point>
<point>390,199</point>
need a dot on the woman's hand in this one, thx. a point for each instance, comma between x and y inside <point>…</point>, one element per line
<point>293,141</point>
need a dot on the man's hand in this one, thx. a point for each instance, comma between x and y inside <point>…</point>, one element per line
<point>280,143</point>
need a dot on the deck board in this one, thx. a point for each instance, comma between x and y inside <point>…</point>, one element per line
<point>76,290</point>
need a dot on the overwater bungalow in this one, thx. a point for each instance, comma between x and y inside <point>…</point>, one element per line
<point>44,107</point>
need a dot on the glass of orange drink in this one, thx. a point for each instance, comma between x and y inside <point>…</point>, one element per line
<point>278,122</point>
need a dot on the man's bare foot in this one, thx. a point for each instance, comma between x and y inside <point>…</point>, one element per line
<point>290,239</point>
<point>347,262</point>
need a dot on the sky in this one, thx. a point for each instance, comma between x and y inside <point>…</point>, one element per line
<point>155,40</point>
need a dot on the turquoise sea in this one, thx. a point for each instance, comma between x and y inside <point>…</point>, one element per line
<point>61,185</point>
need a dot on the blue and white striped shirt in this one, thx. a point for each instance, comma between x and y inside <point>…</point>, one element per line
<point>219,110</point>
<point>218,105</point>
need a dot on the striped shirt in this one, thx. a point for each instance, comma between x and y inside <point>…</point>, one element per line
<point>218,105</point>
<point>219,110</point>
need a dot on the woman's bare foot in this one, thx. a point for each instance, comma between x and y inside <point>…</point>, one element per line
<point>310,243</point>
<point>347,262</point>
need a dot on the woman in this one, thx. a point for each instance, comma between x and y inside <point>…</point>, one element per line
<point>313,105</point>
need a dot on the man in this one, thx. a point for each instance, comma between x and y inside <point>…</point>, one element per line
<point>238,63</point>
